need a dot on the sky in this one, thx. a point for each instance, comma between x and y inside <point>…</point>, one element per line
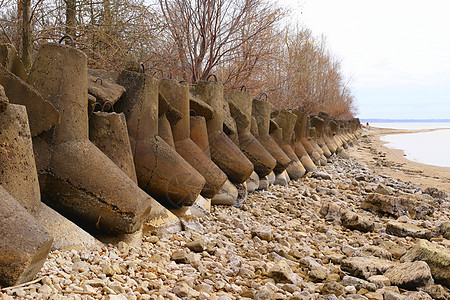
<point>396,53</point>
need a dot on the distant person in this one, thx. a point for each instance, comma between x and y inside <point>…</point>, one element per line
<point>367,124</point>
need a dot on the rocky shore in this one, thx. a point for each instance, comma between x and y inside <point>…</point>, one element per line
<point>343,231</point>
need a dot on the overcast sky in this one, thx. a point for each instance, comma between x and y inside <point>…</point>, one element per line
<point>396,52</point>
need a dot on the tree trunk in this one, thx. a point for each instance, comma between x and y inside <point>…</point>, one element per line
<point>27,35</point>
<point>71,21</point>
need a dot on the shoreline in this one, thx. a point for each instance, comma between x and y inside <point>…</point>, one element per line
<point>311,238</point>
<point>393,163</point>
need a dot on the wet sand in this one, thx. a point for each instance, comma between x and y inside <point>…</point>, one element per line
<point>392,162</point>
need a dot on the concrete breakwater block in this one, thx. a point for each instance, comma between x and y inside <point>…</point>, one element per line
<point>261,113</point>
<point>177,94</point>
<point>17,162</point>
<point>318,124</point>
<point>301,131</point>
<point>240,104</point>
<point>24,243</point>
<point>282,131</point>
<point>10,60</point>
<point>108,131</point>
<point>42,115</point>
<point>160,170</point>
<point>75,176</point>
<point>104,90</point>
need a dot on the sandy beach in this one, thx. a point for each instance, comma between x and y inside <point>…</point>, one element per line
<point>392,162</point>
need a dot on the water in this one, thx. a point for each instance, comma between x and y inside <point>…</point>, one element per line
<point>431,148</point>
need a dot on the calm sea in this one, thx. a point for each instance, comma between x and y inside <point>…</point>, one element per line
<point>431,148</point>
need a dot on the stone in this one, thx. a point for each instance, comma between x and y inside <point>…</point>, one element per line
<point>371,250</point>
<point>358,222</point>
<point>191,222</point>
<point>407,229</point>
<point>227,195</point>
<point>181,257</point>
<point>333,288</point>
<point>379,280</point>
<point>438,260</point>
<point>391,295</point>
<point>24,243</point>
<point>318,273</point>
<point>10,60</point>
<point>197,245</point>
<point>182,290</point>
<point>418,296</point>
<point>252,182</point>
<point>366,267</point>
<point>281,272</point>
<point>358,283</point>
<point>382,189</point>
<point>373,296</point>
<point>444,230</point>
<point>404,205</point>
<point>263,233</point>
<point>410,275</point>
<point>321,175</point>
<point>435,193</point>
<point>437,291</point>
<point>282,178</point>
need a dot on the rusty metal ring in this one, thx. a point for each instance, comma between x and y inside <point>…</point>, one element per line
<point>263,94</point>
<point>157,70</point>
<point>65,37</point>
<point>99,104</point>
<point>104,105</point>
<point>191,110</point>
<point>101,80</point>
<point>214,75</point>
<point>141,65</point>
<point>243,88</point>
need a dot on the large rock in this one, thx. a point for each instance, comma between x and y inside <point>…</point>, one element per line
<point>410,275</point>
<point>366,267</point>
<point>407,229</point>
<point>24,243</point>
<point>403,205</point>
<point>437,259</point>
<point>281,272</point>
<point>356,221</point>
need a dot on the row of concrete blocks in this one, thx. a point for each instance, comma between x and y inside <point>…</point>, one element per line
<point>171,151</point>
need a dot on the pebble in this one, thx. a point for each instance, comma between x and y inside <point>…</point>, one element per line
<point>287,242</point>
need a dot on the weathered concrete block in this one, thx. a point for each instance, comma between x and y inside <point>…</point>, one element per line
<point>177,94</point>
<point>17,162</point>
<point>108,131</point>
<point>104,90</point>
<point>11,61</point>
<point>24,244</point>
<point>42,115</point>
<point>3,99</point>
<point>240,104</point>
<point>261,113</point>
<point>75,176</point>
<point>160,170</point>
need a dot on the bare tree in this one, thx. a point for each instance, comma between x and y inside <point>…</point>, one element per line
<point>207,33</point>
